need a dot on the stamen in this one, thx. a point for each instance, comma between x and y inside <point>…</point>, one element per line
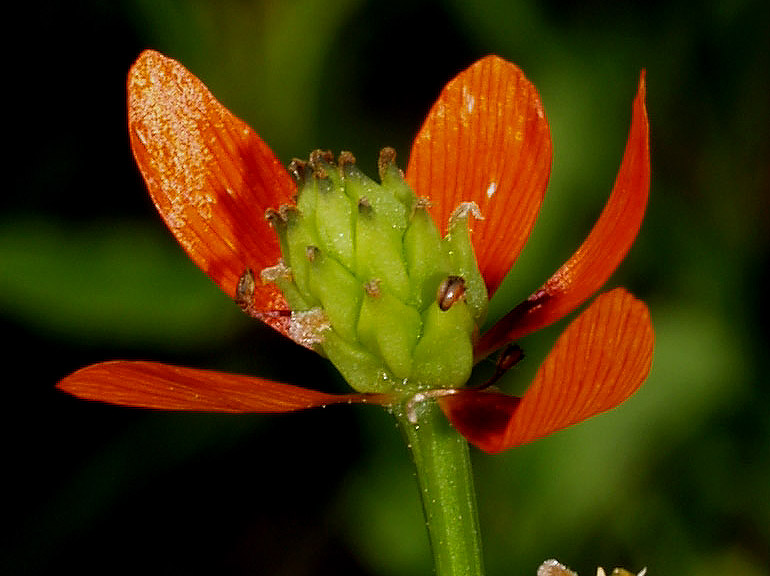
<point>509,357</point>
<point>275,218</point>
<point>299,170</point>
<point>288,213</point>
<point>364,206</point>
<point>450,291</point>
<point>320,160</point>
<point>372,287</point>
<point>345,159</point>
<point>244,290</point>
<point>312,252</point>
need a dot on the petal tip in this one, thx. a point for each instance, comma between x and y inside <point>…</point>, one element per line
<point>641,93</point>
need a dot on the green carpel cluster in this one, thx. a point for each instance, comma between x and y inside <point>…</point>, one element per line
<point>369,280</point>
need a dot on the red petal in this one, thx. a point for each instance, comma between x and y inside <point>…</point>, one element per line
<point>210,176</point>
<point>601,252</point>
<point>165,387</point>
<point>486,140</point>
<point>602,358</point>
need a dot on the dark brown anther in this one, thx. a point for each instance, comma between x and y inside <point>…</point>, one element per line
<point>311,253</point>
<point>372,288</point>
<point>288,213</point>
<point>509,357</point>
<point>279,219</point>
<point>319,161</point>
<point>299,170</point>
<point>450,291</point>
<point>318,155</point>
<point>364,206</point>
<point>386,159</point>
<point>244,290</point>
<point>346,158</point>
<point>274,218</point>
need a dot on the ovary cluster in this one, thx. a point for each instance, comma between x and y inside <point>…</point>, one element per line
<point>371,283</point>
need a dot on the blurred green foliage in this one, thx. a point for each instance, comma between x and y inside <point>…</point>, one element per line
<point>676,479</point>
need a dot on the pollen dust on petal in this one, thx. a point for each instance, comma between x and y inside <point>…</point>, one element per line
<point>307,327</point>
<point>469,100</point>
<point>170,129</point>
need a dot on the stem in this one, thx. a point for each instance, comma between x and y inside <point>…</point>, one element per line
<point>445,479</point>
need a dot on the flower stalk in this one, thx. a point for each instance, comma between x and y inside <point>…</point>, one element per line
<point>443,470</point>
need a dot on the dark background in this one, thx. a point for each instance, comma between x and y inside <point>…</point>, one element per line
<point>676,479</point>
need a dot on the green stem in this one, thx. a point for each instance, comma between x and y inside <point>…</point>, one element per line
<point>445,479</point>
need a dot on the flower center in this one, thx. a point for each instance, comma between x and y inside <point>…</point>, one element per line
<point>369,280</point>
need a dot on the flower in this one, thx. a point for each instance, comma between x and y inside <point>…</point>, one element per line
<point>485,141</point>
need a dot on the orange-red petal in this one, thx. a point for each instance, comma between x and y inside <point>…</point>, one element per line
<point>601,252</point>
<point>210,176</point>
<point>486,140</point>
<point>602,358</point>
<point>165,387</point>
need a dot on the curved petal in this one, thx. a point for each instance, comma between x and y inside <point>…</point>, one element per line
<point>486,140</point>
<point>601,252</point>
<point>165,387</point>
<point>602,358</point>
<point>210,177</point>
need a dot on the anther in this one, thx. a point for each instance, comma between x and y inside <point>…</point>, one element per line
<point>311,253</point>
<point>275,218</point>
<point>346,158</point>
<point>289,214</point>
<point>244,290</point>
<point>450,291</point>
<point>299,170</point>
<point>364,206</point>
<point>509,357</point>
<point>372,287</point>
<point>320,160</point>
